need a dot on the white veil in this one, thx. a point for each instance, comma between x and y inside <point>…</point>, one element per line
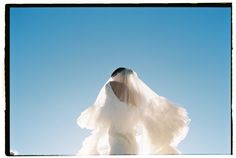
<point>164,124</point>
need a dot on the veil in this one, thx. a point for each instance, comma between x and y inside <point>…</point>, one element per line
<point>163,123</point>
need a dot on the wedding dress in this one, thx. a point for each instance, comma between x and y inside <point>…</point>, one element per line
<point>129,118</point>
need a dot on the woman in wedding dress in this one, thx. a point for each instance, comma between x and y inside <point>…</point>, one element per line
<point>129,118</point>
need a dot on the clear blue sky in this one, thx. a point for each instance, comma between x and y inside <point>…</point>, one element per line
<point>61,57</point>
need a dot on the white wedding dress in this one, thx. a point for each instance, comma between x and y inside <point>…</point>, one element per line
<point>141,123</point>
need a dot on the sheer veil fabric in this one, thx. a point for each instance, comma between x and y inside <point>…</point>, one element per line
<point>130,118</point>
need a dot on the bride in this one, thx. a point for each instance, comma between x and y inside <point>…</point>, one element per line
<point>129,118</point>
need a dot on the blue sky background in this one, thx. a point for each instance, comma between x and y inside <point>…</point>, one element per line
<point>61,57</point>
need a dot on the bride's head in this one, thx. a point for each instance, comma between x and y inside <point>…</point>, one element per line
<point>121,85</point>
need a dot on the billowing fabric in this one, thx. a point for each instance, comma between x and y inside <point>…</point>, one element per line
<point>129,118</point>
